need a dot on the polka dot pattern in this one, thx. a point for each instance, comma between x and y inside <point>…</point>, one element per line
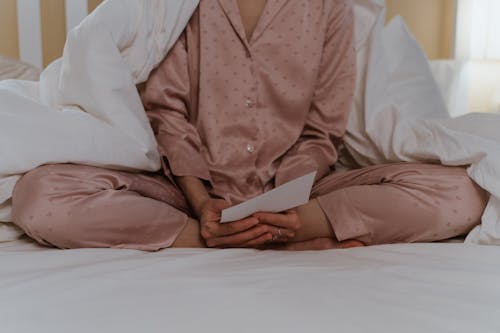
<point>415,203</point>
<point>285,93</point>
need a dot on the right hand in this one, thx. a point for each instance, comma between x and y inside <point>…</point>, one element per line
<point>246,233</point>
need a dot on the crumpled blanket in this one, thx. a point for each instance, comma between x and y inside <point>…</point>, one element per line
<point>400,115</point>
<point>86,108</point>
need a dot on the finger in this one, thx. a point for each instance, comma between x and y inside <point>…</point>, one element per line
<point>257,242</point>
<point>273,240</point>
<point>288,220</point>
<point>348,244</point>
<point>211,230</point>
<point>281,234</point>
<point>239,238</point>
<point>227,229</point>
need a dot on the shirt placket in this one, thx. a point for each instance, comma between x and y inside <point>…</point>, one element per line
<point>251,100</point>
<point>251,96</point>
<point>251,103</point>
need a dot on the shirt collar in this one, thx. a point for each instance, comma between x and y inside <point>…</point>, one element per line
<point>232,12</point>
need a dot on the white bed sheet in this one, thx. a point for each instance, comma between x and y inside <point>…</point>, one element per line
<point>394,288</point>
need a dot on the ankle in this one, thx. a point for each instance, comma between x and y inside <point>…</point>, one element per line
<point>190,236</point>
<point>314,223</point>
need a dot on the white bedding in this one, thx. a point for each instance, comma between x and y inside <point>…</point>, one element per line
<point>104,58</point>
<point>394,288</point>
<point>399,114</point>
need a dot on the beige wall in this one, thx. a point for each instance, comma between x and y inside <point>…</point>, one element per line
<point>431,21</point>
<point>53,20</point>
<point>54,29</point>
<point>93,4</point>
<point>9,45</point>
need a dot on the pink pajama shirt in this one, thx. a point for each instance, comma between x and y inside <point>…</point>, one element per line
<point>249,115</point>
<point>246,116</point>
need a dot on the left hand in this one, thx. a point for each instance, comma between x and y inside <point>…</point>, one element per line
<point>283,226</point>
<point>244,233</point>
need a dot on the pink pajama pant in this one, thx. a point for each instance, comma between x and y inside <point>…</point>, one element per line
<point>74,206</point>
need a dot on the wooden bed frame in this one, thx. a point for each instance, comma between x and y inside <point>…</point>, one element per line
<point>34,31</point>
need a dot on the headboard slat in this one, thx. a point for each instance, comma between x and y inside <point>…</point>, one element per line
<point>30,31</point>
<point>76,10</point>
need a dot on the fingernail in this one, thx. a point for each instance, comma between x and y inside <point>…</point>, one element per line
<point>252,223</point>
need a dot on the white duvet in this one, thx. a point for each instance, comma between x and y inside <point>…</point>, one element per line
<point>86,108</point>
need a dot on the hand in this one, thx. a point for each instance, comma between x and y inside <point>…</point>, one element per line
<point>246,233</point>
<point>284,225</point>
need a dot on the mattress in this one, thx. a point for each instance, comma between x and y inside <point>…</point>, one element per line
<point>393,288</point>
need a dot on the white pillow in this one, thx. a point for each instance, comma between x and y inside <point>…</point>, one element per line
<point>13,69</point>
<point>369,18</point>
<point>451,77</point>
<point>394,81</point>
<point>411,85</point>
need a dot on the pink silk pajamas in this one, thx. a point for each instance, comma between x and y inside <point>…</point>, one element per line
<point>246,116</point>
<point>73,206</point>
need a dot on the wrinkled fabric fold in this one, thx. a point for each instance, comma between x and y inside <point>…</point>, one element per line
<point>86,108</point>
<point>250,115</point>
<point>76,206</point>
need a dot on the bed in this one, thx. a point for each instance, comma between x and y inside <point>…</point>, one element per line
<point>440,287</point>
<point>448,287</point>
<point>434,287</point>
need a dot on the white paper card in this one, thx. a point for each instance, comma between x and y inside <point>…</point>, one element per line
<point>286,196</point>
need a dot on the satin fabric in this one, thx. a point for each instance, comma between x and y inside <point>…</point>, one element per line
<point>73,206</point>
<point>247,115</point>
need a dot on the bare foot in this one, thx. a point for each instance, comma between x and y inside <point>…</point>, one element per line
<point>319,244</point>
